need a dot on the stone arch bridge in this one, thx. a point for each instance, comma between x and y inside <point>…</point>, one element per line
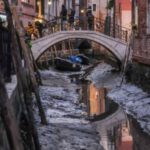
<point>115,46</point>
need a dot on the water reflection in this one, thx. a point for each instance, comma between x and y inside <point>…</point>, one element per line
<point>97,100</point>
<point>114,130</point>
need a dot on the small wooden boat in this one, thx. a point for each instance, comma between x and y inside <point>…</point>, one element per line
<point>66,65</point>
<point>85,59</point>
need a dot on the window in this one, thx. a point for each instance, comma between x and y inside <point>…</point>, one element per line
<point>94,7</point>
<point>26,1</point>
<point>15,2</point>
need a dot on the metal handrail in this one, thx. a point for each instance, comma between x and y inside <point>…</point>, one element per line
<point>81,23</point>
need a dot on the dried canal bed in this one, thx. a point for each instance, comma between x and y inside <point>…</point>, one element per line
<point>68,128</point>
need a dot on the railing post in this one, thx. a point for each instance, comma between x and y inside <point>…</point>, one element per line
<point>126,36</point>
<point>114,20</point>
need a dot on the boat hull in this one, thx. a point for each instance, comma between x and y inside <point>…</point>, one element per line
<point>66,65</point>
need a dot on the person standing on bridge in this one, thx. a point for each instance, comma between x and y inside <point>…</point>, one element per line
<point>71,15</point>
<point>63,15</point>
<point>90,18</point>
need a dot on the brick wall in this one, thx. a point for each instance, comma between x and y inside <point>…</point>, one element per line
<point>142,10</point>
<point>141,50</point>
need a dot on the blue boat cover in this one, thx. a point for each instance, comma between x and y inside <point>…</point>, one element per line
<point>75,59</point>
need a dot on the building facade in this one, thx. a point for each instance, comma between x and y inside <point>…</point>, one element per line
<point>99,8</point>
<point>26,10</point>
<point>123,13</point>
<point>138,72</point>
<point>52,8</point>
<point>141,30</point>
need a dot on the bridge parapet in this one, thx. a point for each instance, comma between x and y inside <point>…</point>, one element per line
<point>115,46</point>
<point>81,23</point>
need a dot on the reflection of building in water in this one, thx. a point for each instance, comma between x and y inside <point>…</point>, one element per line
<point>119,137</point>
<point>141,140</point>
<point>97,100</point>
<point>114,132</point>
<point>124,140</point>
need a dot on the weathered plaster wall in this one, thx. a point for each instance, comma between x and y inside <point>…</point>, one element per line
<point>139,74</point>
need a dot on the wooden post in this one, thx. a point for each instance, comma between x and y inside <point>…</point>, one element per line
<point>24,85</point>
<point>9,119</point>
<point>70,48</point>
<point>29,65</point>
<point>55,50</point>
<point>22,78</point>
<point>36,69</point>
<point>114,20</point>
<point>52,56</point>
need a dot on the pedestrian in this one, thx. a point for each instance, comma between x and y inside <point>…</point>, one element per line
<point>33,31</point>
<point>71,18</point>
<point>90,18</point>
<point>63,15</point>
<point>5,54</point>
<point>39,27</point>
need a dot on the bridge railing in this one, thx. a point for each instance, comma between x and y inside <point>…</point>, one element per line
<point>81,23</point>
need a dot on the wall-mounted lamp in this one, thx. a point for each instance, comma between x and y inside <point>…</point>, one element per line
<point>82,10</point>
<point>38,3</point>
<point>49,2</point>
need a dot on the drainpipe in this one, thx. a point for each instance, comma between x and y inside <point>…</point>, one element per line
<point>56,9</point>
<point>114,19</point>
<point>107,8</point>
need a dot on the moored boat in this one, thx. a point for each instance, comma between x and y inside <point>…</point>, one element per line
<point>75,59</point>
<point>66,65</point>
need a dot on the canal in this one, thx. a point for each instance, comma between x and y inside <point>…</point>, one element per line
<point>82,117</point>
<point>117,130</point>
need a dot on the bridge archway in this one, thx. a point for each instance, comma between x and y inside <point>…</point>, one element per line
<point>115,46</point>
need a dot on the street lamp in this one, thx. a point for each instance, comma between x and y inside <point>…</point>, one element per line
<point>49,4</point>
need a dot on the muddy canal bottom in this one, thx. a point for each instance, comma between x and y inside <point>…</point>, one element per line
<point>117,131</point>
<point>81,117</point>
